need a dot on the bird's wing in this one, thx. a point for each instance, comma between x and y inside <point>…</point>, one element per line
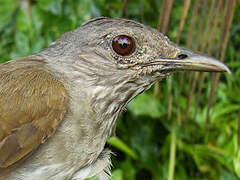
<point>32,104</point>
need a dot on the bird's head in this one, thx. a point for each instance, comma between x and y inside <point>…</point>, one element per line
<point>117,59</point>
<point>121,44</point>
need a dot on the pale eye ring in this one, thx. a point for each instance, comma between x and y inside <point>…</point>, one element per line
<point>123,45</point>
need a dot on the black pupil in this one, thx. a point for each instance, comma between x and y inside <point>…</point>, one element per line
<point>123,45</point>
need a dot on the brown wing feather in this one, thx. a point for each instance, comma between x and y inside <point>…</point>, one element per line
<point>32,104</point>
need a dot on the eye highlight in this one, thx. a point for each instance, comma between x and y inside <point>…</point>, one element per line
<point>123,45</point>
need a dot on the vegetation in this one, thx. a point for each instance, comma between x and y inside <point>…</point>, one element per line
<point>152,142</point>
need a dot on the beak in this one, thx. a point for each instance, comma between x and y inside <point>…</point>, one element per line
<point>188,60</point>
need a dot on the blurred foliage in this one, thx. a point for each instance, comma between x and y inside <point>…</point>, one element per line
<point>144,131</point>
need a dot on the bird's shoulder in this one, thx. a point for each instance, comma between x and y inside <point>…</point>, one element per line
<point>32,104</point>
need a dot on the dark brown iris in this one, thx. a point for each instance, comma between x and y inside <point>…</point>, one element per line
<point>123,45</point>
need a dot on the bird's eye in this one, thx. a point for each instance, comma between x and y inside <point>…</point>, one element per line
<point>123,45</point>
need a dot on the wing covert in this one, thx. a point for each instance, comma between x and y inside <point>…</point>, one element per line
<point>32,105</point>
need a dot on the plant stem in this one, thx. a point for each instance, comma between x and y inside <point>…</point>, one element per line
<point>172,154</point>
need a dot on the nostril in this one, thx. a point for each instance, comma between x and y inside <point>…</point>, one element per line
<point>182,56</point>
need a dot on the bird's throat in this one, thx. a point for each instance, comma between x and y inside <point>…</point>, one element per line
<point>108,102</point>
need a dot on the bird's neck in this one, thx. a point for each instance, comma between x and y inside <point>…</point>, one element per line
<point>108,88</point>
<point>108,101</point>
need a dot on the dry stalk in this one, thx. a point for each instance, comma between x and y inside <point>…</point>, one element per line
<point>205,40</point>
<point>230,13</point>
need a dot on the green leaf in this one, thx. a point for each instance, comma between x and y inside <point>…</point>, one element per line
<point>119,144</point>
<point>37,20</point>
<point>7,7</point>
<point>223,109</point>
<point>145,104</point>
<point>23,22</point>
<point>53,6</point>
<point>128,169</point>
<point>225,175</point>
<point>117,174</point>
<point>237,164</point>
<point>22,45</point>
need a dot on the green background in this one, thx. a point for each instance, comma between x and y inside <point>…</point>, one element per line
<point>144,133</point>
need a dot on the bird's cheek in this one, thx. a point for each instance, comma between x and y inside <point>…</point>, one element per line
<point>145,71</point>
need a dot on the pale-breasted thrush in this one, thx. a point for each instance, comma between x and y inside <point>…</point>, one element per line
<point>59,106</point>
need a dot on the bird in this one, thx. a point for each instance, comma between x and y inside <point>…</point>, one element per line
<point>59,106</point>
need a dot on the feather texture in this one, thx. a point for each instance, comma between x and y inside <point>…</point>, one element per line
<point>32,104</point>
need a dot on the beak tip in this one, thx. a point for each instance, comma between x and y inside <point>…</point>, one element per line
<point>229,71</point>
<point>225,69</point>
